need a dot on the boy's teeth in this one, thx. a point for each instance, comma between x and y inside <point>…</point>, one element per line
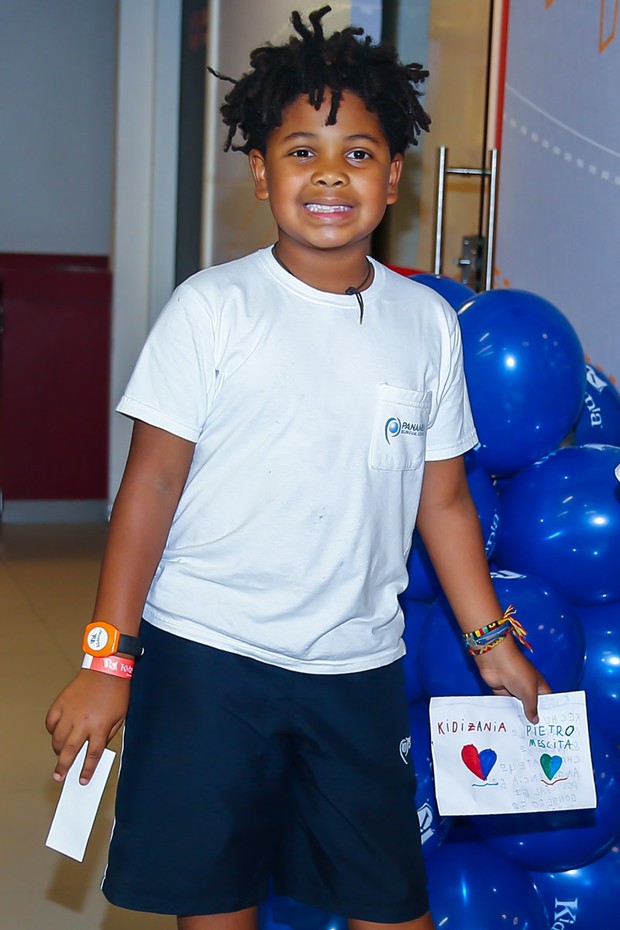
<point>326,208</point>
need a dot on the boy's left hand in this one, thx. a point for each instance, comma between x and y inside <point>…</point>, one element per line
<point>507,671</point>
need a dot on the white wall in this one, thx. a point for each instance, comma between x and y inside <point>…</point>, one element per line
<point>144,216</point>
<point>57,74</point>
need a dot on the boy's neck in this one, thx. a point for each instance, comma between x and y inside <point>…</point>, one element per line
<point>335,271</point>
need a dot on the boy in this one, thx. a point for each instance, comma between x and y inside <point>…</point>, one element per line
<point>285,406</point>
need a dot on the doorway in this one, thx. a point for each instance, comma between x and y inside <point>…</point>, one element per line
<point>454,41</point>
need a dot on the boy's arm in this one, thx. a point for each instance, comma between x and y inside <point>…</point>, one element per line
<point>449,526</point>
<point>93,706</point>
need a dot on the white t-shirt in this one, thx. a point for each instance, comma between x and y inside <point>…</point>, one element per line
<point>290,540</point>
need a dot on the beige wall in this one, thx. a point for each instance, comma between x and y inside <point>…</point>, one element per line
<point>235,222</point>
<point>455,98</point>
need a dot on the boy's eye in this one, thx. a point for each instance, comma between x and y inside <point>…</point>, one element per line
<point>359,155</point>
<point>301,153</point>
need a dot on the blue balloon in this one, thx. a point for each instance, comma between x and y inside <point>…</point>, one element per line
<point>487,501</point>
<point>563,840</point>
<point>433,827</point>
<point>585,897</point>
<point>525,371</point>
<point>471,887</point>
<point>599,421</point>
<point>601,678</point>
<point>552,623</point>
<point>453,291</point>
<point>280,913</point>
<point>423,582</point>
<point>553,628</point>
<point>455,672</point>
<point>415,613</point>
<point>561,520</point>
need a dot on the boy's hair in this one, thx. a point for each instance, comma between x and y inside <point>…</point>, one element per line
<point>311,65</point>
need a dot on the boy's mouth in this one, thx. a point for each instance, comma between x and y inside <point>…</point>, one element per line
<point>327,208</point>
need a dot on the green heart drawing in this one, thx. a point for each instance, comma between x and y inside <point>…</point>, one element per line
<point>550,765</point>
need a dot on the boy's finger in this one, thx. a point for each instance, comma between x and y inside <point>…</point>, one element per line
<point>69,751</point>
<point>52,718</point>
<point>61,735</point>
<point>66,743</point>
<point>66,756</point>
<point>93,755</point>
<point>530,705</point>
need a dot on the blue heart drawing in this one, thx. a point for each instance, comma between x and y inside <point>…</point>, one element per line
<point>488,758</point>
<point>550,765</point>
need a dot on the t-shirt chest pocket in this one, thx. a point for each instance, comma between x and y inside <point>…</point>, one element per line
<point>399,428</point>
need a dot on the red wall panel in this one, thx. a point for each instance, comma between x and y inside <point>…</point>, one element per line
<point>54,383</point>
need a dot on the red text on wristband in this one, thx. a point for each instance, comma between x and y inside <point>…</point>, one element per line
<point>110,665</point>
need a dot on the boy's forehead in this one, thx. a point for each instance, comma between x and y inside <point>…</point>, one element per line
<point>352,117</point>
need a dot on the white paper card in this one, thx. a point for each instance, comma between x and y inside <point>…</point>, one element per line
<point>77,806</point>
<point>489,759</point>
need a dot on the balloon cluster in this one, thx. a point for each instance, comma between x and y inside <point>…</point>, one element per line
<point>545,481</point>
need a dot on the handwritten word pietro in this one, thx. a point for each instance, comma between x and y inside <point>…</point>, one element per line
<point>550,736</point>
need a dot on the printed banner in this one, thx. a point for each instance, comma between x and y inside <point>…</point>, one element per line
<point>558,223</point>
<point>489,759</point>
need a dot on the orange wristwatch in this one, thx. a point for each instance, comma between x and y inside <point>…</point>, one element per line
<point>103,639</point>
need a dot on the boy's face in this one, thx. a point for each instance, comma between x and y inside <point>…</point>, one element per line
<point>328,186</point>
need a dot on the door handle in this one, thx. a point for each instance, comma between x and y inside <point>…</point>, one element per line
<point>490,173</point>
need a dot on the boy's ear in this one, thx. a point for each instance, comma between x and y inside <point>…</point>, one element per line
<point>259,173</point>
<point>396,169</point>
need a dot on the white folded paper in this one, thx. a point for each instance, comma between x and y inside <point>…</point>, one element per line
<point>489,759</point>
<point>77,806</point>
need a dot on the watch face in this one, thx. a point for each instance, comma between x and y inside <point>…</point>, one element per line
<point>97,638</point>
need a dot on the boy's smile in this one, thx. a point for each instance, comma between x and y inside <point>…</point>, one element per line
<point>328,187</point>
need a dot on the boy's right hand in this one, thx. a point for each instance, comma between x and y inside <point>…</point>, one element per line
<point>91,708</point>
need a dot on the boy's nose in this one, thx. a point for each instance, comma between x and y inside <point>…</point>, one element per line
<point>329,175</point>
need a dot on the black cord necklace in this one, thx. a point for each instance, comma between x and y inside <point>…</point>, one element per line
<point>350,291</point>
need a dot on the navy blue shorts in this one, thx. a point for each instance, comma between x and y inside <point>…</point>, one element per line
<point>236,774</point>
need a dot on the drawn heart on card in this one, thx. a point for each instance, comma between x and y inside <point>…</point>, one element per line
<point>550,765</point>
<point>480,763</point>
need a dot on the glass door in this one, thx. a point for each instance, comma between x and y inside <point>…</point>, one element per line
<point>453,39</point>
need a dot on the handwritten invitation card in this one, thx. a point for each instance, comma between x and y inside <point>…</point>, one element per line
<point>489,759</point>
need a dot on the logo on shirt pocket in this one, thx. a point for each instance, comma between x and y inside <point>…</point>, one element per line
<point>399,428</point>
<point>394,427</point>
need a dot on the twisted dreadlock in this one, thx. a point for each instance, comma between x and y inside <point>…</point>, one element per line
<point>311,65</point>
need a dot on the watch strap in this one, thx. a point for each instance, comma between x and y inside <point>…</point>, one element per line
<point>131,645</point>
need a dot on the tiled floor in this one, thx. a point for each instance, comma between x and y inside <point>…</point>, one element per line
<point>48,576</point>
